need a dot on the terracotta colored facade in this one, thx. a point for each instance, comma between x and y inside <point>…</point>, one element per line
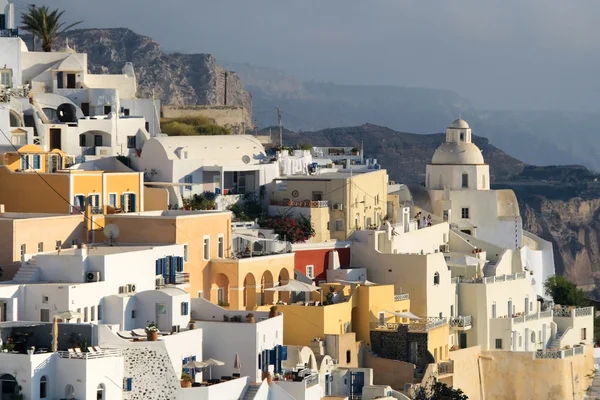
<point>319,259</point>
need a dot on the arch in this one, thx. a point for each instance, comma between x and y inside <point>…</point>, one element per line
<point>219,291</point>
<point>283,279</point>
<point>8,386</point>
<point>266,281</point>
<point>15,120</point>
<point>100,392</point>
<point>43,387</point>
<point>533,337</point>
<point>436,278</point>
<point>95,138</point>
<point>69,391</point>
<point>249,291</point>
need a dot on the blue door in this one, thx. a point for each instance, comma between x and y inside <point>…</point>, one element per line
<point>328,385</point>
<point>357,381</point>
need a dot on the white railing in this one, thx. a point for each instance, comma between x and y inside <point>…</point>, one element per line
<point>461,321</point>
<point>91,354</point>
<point>427,324</point>
<point>562,311</point>
<point>455,280</point>
<point>401,297</point>
<point>445,367</point>
<point>530,317</point>
<point>575,351</point>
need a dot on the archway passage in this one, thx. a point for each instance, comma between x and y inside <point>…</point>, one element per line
<point>219,291</point>
<point>249,292</point>
<point>284,278</point>
<point>8,387</point>
<point>265,283</point>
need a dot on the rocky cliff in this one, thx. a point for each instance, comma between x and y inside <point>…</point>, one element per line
<point>176,79</point>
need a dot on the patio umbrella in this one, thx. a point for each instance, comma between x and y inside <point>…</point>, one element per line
<point>68,315</point>
<point>363,282</point>
<point>193,364</point>
<point>55,334</point>
<point>209,363</point>
<point>237,364</point>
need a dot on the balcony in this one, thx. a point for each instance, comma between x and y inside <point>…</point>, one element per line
<point>103,353</point>
<point>422,325</point>
<point>445,368</point>
<point>490,279</point>
<point>311,380</point>
<point>461,323</point>
<point>401,297</point>
<point>573,312</point>
<point>303,203</point>
<point>180,278</point>
<point>575,351</point>
<point>7,33</point>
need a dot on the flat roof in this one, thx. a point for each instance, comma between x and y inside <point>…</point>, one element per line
<point>15,215</point>
<point>169,214</point>
<point>94,249</point>
<point>327,176</point>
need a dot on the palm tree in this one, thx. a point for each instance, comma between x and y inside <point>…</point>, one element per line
<point>45,24</point>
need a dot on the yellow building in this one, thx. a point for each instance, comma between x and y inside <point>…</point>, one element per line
<point>36,181</point>
<point>353,200</point>
<point>22,233</point>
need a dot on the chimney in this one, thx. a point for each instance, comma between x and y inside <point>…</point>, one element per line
<point>2,209</point>
<point>334,259</point>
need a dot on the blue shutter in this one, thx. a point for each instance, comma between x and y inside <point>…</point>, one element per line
<point>259,361</point>
<point>272,358</point>
<point>185,361</point>
<point>179,264</point>
<point>186,306</point>
<point>283,352</point>
<point>129,384</point>
<point>158,268</point>
<point>132,202</point>
<point>36,161</point>
<point>172,269</point>
<point>24,163</point>
<point>123,203</point>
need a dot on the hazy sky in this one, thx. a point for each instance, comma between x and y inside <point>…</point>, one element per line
<point>509,54</point>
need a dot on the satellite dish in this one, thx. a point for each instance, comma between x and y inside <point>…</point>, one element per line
<point>246,159</point>
<point>111,231</point>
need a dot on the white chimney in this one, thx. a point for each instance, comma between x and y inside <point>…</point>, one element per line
<point>334,259</point>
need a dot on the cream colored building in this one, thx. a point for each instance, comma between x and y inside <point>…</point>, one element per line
<point>355,201</point>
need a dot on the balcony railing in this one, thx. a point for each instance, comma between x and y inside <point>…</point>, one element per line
<point>562,311</point>
<point>303,203</point>
<point>427,324</point>
<point>445,367</point>
<point>461,321</point>
<point>91,354</point>
<point>9,33</point>
<point>575,351</point>
<point>490,279</point>
<point>390,326</point>
<point>518,319</point>
<point>311,380</point>
<point>179,278</point>
<point>97,210</point>
<point>401,297</point>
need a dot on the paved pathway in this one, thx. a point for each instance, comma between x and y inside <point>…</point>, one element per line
<point>593,393</point>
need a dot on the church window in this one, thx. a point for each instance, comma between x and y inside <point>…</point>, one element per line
<point>465,180</point>
<point>462,137</point>
<point>436,278</point>
<point>464,212</point>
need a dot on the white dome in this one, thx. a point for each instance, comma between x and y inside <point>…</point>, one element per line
<point>459,124</point>
<point>457,153</point>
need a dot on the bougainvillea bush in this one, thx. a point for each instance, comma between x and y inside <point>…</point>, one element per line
<point>294,230</point>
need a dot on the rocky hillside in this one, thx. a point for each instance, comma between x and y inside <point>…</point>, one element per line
<point>558,203</point>
<point>177,79</point>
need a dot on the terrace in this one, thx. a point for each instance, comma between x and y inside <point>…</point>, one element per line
<point>421,325</point>
<point>301,204</point>
<point>559,354</point>
<point>490,279</point>
<point>461,323</point>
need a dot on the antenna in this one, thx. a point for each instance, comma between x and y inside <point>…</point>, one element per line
<point>111,231</point>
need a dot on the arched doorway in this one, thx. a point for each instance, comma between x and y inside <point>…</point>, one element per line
<point>219,293</point>
<point>69,392</point>
<point>8,387</point>
<point>266,282</point>
<point>283,279</point>
<point>249,292</point>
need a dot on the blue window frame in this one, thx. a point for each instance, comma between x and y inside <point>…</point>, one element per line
<point>185,308</point>
<point>36,161</point>
<point>112,200</point>
<point>24,163</point>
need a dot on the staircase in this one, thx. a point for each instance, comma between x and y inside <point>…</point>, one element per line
<point>26,274</point>
<point>251,392</point>
<point>489,269</point>
<point>555,344</point>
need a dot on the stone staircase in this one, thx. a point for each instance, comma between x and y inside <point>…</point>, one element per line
<point>28,272</point>
<point>251,392</point>
<point>555,344</point>
<point>489,269</point>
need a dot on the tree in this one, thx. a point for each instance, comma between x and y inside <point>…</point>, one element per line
<point>45,24</point>
<point>439,391</point>
<point>564,292</point>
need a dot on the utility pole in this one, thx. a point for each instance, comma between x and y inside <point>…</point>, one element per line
<point>225,95</point>
<point>280,129</point>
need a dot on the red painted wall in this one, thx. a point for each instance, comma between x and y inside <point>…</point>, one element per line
<point>320,259</point>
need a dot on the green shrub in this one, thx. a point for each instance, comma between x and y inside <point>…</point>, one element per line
<point>191,127</point>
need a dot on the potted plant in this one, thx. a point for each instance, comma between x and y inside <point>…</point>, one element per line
<point>273,312</point>
<point>186,380</point>
<point>192,324</point>
<point>31,350</point>
<point>152,332</point>
<point>250,318</point>
<point>355,151</point>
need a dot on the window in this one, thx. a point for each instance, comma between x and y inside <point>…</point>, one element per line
<point>107,110</point>
<point>499,344</point>
<point>6,77</point>
<point>185,252</point>
<point>58,244</point>
<point>206,248</point>
<point>40,247</point>
<point>82,140</point>
<point>45,299</point>
<point>112,200</point>
<point>221,250</point>
<point>23,250</point>
<point>310,271</point>
<point>494,310</point>
<point>100,392</point>
<point>465,180</point>
<point>452,310</point>
<point>583,334</point>
<point>348,356</point>
<point>85,314</point>
<point>18,139</point>
<point>185,308</point>
<point>147,126</point>
<point>188,179</point>
<point>132,314</point>
<point>462,137</point>
<point>71,81</point>
<point>436,278</point>
<point>317,196</point>
<point>464,212</point>
<point>43,387</point>
<point>339,225</point>
<point>126,112</point>
<point>36,161</point>
<point>69,392</point>
<point>99,312</point>
<point>92,313</point>
<point>483,181</point>
<point>24,163</point>
<point>520,341</point>
<point>131,142</point>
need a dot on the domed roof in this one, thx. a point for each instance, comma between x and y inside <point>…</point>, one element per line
<point>457,153</point>
<point>459,124</point>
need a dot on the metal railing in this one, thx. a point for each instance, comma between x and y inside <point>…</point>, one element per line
<point>388,326</point>
<point>103,353</point>
<point>5,33</point>
<point>304,203</point>
<point>97,210</point>
<point>401,297</point>
<point>427,324</point>
<point>461,321</point>
<point>445,367</point>
<point>311,380</point>
<point>563,311</point>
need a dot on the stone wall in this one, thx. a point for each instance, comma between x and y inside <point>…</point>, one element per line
<point>395,345</point>
<point>236,118</point>
<point>152,373</point>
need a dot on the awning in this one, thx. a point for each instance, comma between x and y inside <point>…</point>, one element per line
<point>295,286</point>
<point>365,282</point>
<point>253,238</point>
<point>406,314</point>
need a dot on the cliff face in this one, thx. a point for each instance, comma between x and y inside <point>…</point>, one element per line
<point>177,79</point>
